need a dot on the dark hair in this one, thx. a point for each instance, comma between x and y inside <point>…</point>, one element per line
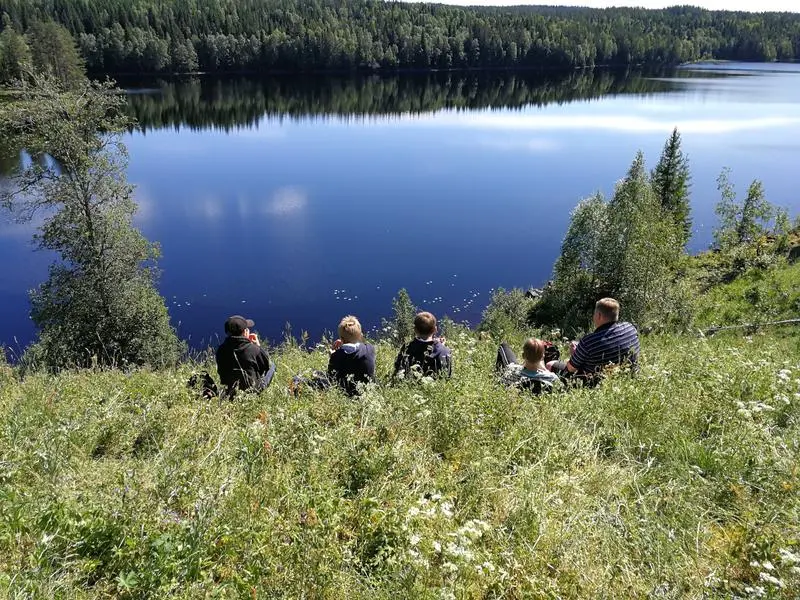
<point>424,324</point>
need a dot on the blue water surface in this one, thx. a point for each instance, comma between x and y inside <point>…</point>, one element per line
<point>303,218</point>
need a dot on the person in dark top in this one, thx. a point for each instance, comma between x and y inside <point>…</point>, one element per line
<point>425,354</point>
<point>242,363</point>
<point>611,343</point>
<point>352,361</point>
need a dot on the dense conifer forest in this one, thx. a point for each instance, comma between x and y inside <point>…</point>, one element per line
<point>152,36</point>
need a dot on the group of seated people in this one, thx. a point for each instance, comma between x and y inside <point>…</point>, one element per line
<point>243,364</point>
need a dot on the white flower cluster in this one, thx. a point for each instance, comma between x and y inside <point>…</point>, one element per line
<point>457,550</point>
<point>750,408</point>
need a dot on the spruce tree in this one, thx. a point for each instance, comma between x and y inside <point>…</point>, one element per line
<point>15,56</point>
<point>56,54</point>
<point>99,304</point>
<point>671,182</point>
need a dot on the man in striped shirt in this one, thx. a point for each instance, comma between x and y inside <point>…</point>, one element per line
<point>611,343</point>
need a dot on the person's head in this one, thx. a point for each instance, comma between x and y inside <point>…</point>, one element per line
<point>605,311</point>
<point>350,330</point>
<point>424,325</point>
<point>533,351</point>
<point>237,325</point>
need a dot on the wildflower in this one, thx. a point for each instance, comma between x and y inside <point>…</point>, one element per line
<point>414,540</point>
<point>450,567</point>
<point>437,547</point>
<point>447,509</point>
<point>785,375</point>
<point>766,577</point>
<point>789,556</point>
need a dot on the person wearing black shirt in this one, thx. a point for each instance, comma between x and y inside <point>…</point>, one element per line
<point>242,363</point>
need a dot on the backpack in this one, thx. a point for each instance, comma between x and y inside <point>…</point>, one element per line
<point>204,383</point>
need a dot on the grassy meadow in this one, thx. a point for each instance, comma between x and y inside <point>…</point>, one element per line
<point>680,483</point>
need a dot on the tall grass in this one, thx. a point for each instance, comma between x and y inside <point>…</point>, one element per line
<point>680,483</point>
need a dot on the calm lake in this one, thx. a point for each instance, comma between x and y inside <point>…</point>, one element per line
<point>302,200</point>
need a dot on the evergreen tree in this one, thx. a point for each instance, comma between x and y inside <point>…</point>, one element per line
<point>55,53</point>
<point>15,56</point>
<point>402,324</point>
<point>623,248</point>
<point>671,180</point>
<point>99,304</point>
<point>741,222</point>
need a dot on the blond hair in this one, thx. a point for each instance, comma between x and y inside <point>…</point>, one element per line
<point>424,324</point>
<point>608,308</point>
<point>350,330</point>
<point>533,350</point>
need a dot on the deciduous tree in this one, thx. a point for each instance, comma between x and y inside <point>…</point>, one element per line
<point>99,304</point>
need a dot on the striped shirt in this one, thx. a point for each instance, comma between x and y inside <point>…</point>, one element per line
<point>612,343</point>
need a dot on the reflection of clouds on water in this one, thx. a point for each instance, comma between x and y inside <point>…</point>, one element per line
<point>286,201</point>
<point>617,123</point>
<point>210,207</point>
<point>533,145</point>
<point>145,206</point>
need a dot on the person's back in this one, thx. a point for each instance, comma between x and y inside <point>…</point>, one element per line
<point>425,354</point>
<point>430,357</point>
<point>242,364</point>
<point>352,363</point>
<point>531,374</point>
<point>614,343</point>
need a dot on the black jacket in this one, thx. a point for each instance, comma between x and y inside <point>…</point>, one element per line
<point>241,363</point>
<point>350,365</point>
<point>432,358</point>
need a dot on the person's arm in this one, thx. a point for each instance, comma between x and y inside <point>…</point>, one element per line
<point>576,357</point>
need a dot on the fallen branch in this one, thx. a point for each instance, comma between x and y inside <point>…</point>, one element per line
<point>753,326</point>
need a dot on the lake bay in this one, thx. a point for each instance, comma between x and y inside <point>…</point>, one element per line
<point>301,200</point>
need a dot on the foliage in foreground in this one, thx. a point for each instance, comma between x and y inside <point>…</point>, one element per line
<point>682,483</point>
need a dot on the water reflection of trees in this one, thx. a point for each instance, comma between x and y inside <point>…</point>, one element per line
<point>201,103</point>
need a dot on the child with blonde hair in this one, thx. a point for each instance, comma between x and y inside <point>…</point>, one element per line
<point>352,361</point>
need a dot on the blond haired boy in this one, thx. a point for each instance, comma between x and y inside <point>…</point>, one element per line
<point>352,361</point>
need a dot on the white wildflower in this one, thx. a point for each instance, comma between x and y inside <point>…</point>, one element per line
<point>437,547</point>
<point>448,566</point>
<point>414,540</point>
<point>447,509</point>
<point>413,511</point>
<point>789,556</point>
<point>784,375</point>
<point>768,565</point>
<point>766,577</point>
<point>436,497</point>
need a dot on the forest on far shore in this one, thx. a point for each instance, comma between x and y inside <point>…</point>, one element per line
<point>177,36</point>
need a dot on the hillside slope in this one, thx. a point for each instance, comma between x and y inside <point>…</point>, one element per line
<point>681,483</point>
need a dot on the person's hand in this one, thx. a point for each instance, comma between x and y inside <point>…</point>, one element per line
<point>336,345</point>
<point>254,338</point>
<point>572,346</point>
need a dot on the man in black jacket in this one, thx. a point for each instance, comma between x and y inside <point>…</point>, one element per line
<point>242,363</point>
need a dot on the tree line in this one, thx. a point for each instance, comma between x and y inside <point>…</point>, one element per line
<point>160,36</point>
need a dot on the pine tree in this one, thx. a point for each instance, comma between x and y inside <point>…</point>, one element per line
<point>99,304</point>
<point>15,55</point>
<point>56,54</point>
<point>671,182</point>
